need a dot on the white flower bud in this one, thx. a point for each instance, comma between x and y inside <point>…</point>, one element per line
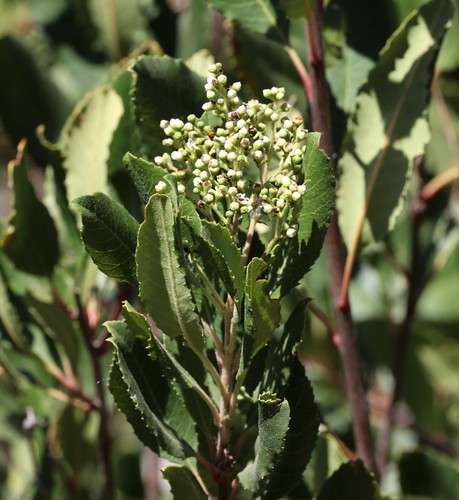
<point>176,155</point>
<point>211,94</point>
<point>161,187</point>
<point>176,123</point>
<point>302,188</point>
<point>280,203</point>
<point>291,232</point>
<point>204,175</point>
<point>158,160</point>
<point>236,86</point>
<point>234,206</point>
<point>296,196</point>
<point>232,156</point>
<point>207,106</point>
<point>221,79</point>
<point>231,93</point>
<point>208,198</point>
<point>180,188</point>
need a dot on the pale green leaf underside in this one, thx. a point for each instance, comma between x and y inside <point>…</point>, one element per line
<point>388,129</point>
<point>86,142</point>
<point>161,280</point>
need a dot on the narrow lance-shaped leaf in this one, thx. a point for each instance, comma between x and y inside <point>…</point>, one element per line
<point>109,234</point>
<point>150,392</point>
<point>161,280</point>
<point>30,240</point>
<point>388,130</point>
<point>261,313</point>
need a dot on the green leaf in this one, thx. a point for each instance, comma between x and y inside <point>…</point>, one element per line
<point>161,410</point>
<point>144,174</point>
<point>121,26</point>
<point>120,393</point>
<point>273,421</point>
<point>317,206</point>
<point>265,63</point>
<point>428,473</point>
<point>183,483</point>
<point>161,280</point>
<point>350,482</point>
<point>295,8</point>
<point>109,234</point>
<point>86,140</point>
<point>196,399</point>
<point>217,248</point>
<point>301,436</point>
<point>261,313</point>
<point>388,129</point>
<point>193,33</point>
<point>255,15</point>
<point>31,238</point>
<point>163,88</point>
<point>346,76</point>
<point>28,97</point>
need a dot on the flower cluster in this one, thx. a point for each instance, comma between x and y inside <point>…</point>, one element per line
<point>224,160</point>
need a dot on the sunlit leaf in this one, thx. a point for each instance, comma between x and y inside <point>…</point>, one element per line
<point>86,140</point>
<point>161,280</point>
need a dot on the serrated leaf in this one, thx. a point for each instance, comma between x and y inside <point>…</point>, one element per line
<point>161,280</point>
<point>120,393</point>
<point>183,483</point>
<point>255,15</point>
<point>109,234</point>
<point>301,436</point>
<point>217,247</point>
<point>160,408</point>
<point>317,206</point>
<point>30,239</point>
<point>350,482</point>
<point>273,421</point>
<point>86,140</point>
<point>163,88</point>
<point>388,129</point>
<point>144,174</point>
<point>261,313</point>
<point>196,399</point>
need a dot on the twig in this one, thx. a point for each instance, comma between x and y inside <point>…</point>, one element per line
<point>320,315</point>
<point>347,346</point>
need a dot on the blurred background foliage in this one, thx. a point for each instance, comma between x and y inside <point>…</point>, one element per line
<point>55,55</point>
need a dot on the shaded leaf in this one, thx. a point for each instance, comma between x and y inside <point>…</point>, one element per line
<point>259,16</point>
<point>350,482</point>
<point>183,483</point>
<point>109,234</point>
<point>217,247</point>
<point>144,174</point>
<point>261,313</point>
<point>388,129</point>
<point>316,209</point>
<point>427,473</point>
<point>30,240</point>
<point>301,436</point>
<point>120,393</point>
<point>161,280</point>
<point>160,409</point>
<point>86,140</point>
<point>163,88</point>
<point>196,399</point>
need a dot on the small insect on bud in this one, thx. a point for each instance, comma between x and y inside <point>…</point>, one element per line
<point>211,133</point>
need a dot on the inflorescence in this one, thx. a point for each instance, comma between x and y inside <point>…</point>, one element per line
<point>214,157</point>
